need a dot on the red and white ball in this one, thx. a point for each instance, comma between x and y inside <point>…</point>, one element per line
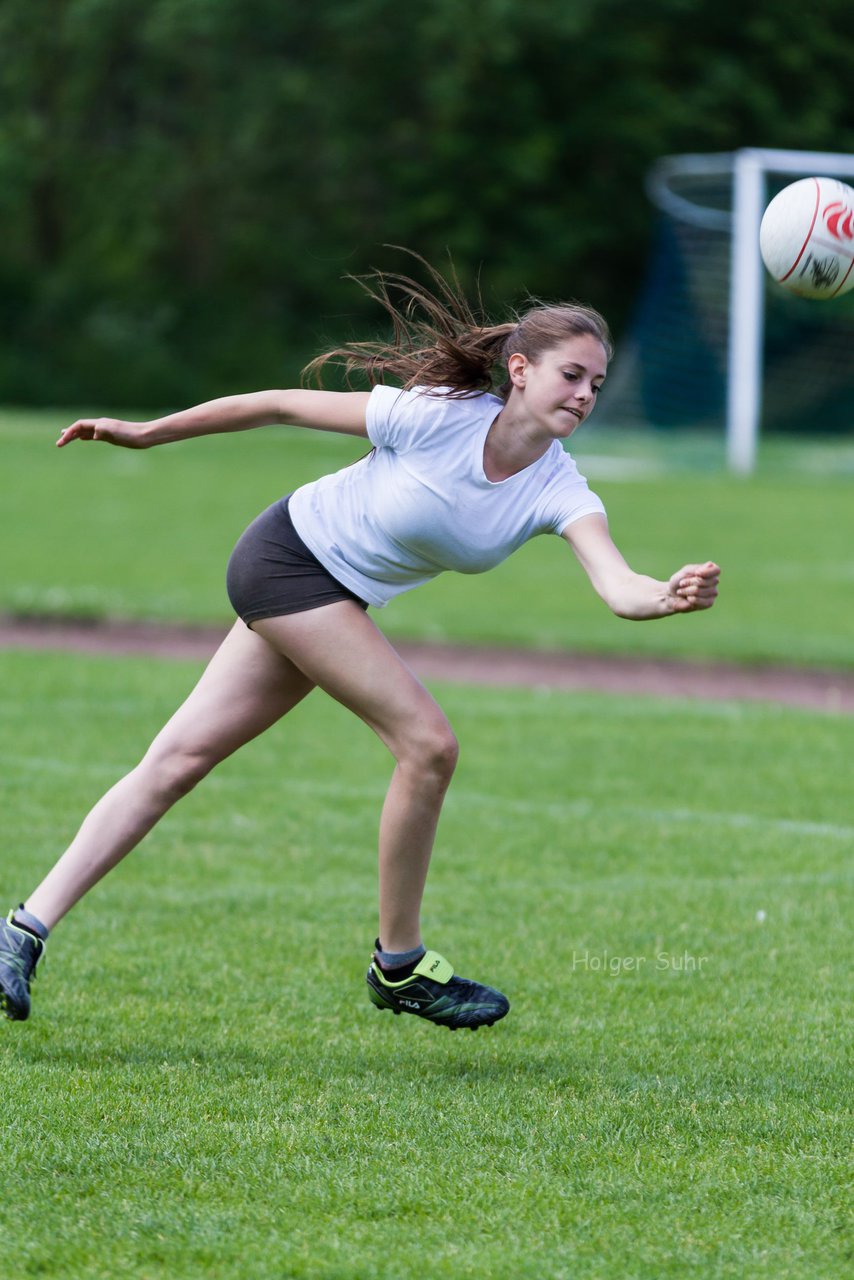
<point>807,238</point>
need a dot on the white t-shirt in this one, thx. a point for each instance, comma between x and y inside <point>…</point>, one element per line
<point>420,503</point>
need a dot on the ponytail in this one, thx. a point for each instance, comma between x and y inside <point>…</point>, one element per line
<point>439,341</point>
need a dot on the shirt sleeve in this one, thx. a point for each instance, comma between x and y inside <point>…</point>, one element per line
<point>395,419</point>
<point>568,498</point>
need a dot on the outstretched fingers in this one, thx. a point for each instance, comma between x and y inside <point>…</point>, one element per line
<point>83,429</point>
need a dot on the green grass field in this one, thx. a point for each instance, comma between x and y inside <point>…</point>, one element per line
<point>662,888</point>
<point>204,1089</point>
<point>99,531</point>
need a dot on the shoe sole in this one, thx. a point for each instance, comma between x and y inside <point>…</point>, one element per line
<point>10,1011</point>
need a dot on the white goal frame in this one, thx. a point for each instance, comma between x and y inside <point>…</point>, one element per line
<point>749,168</point>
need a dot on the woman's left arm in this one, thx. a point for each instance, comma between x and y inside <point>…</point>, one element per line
<point>634,595</point>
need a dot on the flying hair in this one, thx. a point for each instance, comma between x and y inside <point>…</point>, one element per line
<point>440,340</point>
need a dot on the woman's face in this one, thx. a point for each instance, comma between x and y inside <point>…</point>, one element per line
<point>559,390</point>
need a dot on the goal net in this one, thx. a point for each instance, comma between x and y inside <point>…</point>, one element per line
<point>714,343</point>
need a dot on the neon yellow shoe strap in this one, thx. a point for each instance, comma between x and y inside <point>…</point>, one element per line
<point>432,965</point>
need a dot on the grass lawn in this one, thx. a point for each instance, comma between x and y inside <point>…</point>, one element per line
<point>204,1090</point>
<point>93,530</point>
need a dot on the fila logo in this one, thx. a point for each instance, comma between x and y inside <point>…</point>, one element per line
<point>839,220</point>
<point>411,1004</point>
<point>435,965</point>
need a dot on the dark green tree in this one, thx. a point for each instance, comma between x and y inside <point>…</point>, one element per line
<point>184,183</point>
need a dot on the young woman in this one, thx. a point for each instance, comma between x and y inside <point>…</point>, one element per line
<point>459,476</point>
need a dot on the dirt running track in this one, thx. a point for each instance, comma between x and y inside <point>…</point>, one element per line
<point>829,691</point>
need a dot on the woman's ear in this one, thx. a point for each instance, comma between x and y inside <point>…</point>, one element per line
<point>517,367</point>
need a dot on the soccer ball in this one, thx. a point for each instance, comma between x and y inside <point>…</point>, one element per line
<point>807,238</point>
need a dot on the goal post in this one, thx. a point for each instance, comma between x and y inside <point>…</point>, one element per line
<point>746,315</point>
<point>714,343</point>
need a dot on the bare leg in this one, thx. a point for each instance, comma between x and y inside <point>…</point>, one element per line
<point>246,687</point>
<point>341,651</point>
<point>253,680</point>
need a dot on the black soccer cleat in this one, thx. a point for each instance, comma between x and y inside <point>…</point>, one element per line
<point>434,993</point>
<point>20,952</point>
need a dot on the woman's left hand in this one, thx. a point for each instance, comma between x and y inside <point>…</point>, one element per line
<point>695,586</point>
<point>129,435</point>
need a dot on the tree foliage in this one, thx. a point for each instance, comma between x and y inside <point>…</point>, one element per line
<point>183,184</point>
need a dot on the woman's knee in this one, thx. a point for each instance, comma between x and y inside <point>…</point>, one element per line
<point>175,771</point>
<point>431,749</point>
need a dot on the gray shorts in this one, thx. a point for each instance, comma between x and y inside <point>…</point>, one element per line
<point>272,572</point>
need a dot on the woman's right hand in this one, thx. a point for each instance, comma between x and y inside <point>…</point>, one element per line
<point>128,435</point>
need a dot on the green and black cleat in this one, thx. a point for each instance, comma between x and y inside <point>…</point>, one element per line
<point>434,993</point>
<point>20,952</point>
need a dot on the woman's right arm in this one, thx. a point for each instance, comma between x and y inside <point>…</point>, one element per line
<point>342,411</point>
